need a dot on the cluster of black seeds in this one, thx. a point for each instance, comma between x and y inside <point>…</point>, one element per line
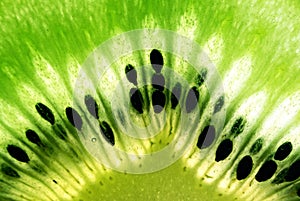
<point>206,138</point>
<point>268,168</point>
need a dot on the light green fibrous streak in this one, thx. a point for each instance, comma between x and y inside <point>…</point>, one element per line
<point>64,30</point>
<point>62,34</point>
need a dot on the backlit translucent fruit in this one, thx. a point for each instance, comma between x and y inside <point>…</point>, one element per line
<point>241,141</point>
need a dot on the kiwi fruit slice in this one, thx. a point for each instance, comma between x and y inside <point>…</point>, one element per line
<point>89,115</point>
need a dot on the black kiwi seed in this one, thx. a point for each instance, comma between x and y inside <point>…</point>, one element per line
<point>91,106</point>
<point>206,137</point>
<point>74,118</point>
<point>45,112</point>
<point>238,126</point>
<point>266,171</point>
<point>244,168</point>
<point>17,153</point>
<point>131,74</point>
<point>33,137</point>
<point>60,131</point>
<point>219,104</point>
<point>158,101</point>
<point>224,150</point>
<point>156,60</point>
<point>201,77</point>
<point>107,132</point>
<point>280,178</point>
<point>175,96</point>
<point>293,171</point>
<point>158,81</point>
<point>256,147</point>
<point>136,99</point>
<point>283,151</point>
<point>121,117</point>
<point>298,192</point>
<point>7,170</point>
<point>192,99</point>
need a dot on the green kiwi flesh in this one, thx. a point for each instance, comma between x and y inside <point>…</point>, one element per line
<point>253,45</point>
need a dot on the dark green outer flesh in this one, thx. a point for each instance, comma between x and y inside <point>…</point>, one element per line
<point>43,45</point>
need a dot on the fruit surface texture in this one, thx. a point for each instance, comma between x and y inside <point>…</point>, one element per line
<point>149,100</point>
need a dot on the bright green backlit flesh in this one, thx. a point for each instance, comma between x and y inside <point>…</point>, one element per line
<point>255,47</point>
<point>172,183</point>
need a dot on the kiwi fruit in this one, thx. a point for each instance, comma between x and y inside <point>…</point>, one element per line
<point>149,100</point>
